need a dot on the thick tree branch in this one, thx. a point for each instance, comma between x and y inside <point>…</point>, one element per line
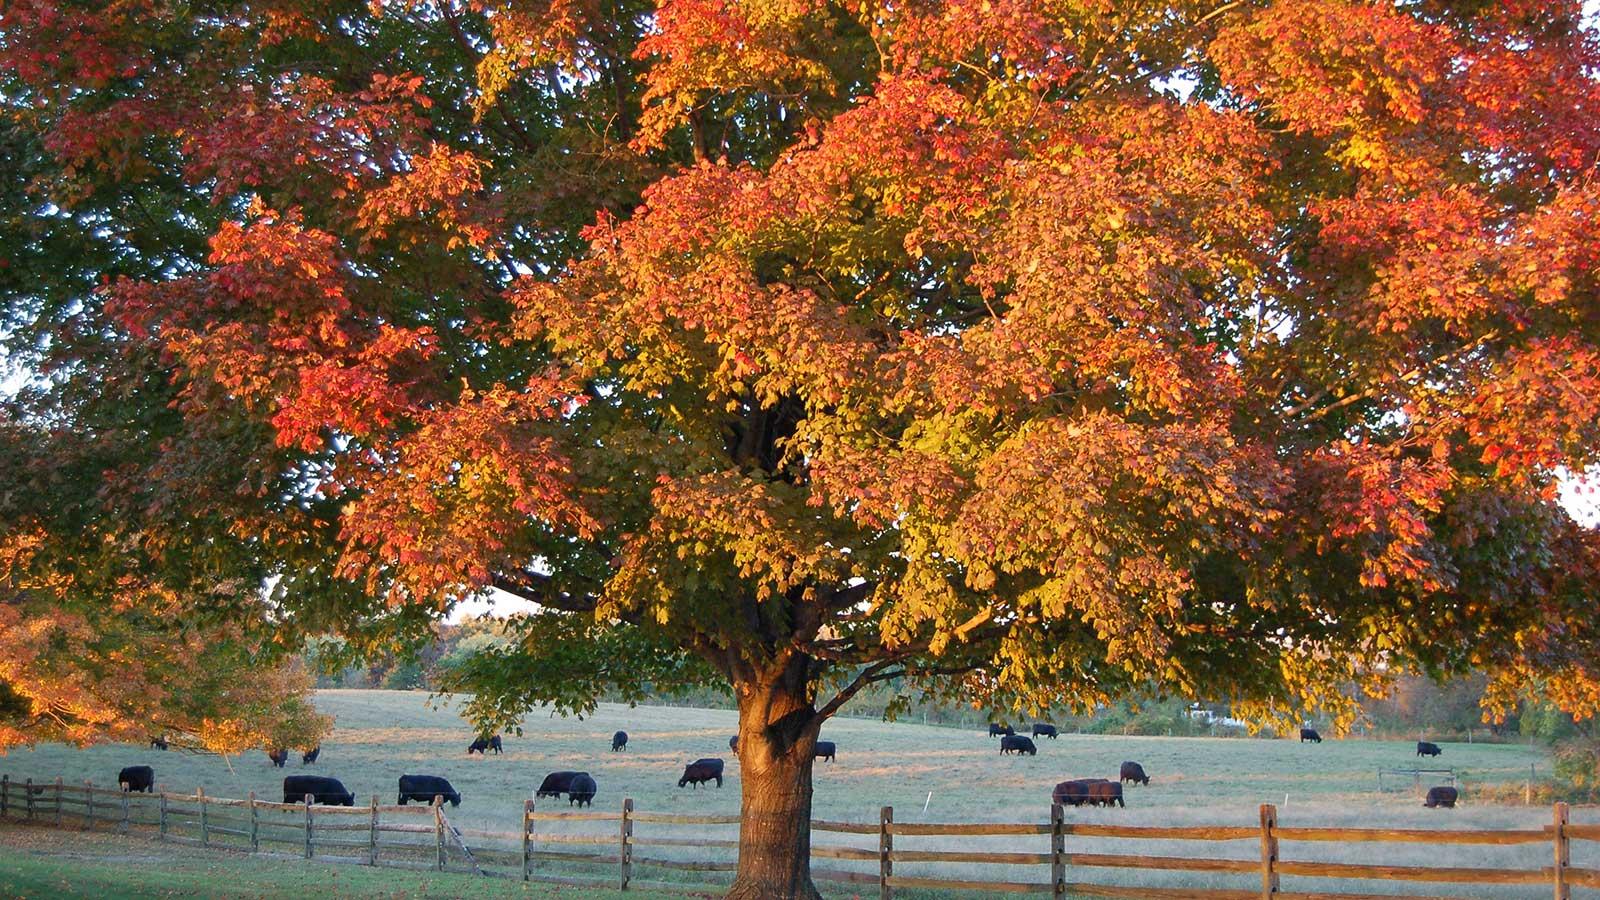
<point>540,589</point>
<point>1383,385</point>
<point>884,671</point>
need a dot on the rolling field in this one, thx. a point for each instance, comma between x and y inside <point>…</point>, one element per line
<point>380,735</point>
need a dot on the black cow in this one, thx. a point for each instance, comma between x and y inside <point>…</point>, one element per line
<point>159,743</point>
<point>1016,743</point>
<point>701,771</point>
<point>1105,793</point>
<point>556,783</point>
<point>1000,730</point>
<point>1132,771</point>
<point>582,790</point>
<point>733,743</point>
<point>1441,796</point>
<point>309,757</point>
<point>137,778</point>
<point>1044,729</point>
<point>423,788</point>
<point>1310,734</point>
<point>1424,748</point>
<point>826,750</point>
<point>619,741</point>
<point>278,757</point>
<point>326,791</point>
<point>1071,793</point>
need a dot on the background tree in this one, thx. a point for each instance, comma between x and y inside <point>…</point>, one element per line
<point>1033,354</point>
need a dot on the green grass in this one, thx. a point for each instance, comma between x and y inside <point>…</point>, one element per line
<point>34,864</point>
<point>380,735</point>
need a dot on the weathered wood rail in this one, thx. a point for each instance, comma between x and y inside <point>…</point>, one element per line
<point>608,849</point>
<point>1068,872</point>
<point>249,824</point>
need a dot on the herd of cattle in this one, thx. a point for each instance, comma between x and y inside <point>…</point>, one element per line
<point>1104,792</point>
<point>580,787</point>
<point>1077,791</point>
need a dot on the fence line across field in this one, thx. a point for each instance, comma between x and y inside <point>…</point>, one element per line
<point>422,837</point>
<point>1415,776</point>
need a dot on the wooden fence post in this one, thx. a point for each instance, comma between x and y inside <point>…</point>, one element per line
<point>205,831</point>
<point>255,837</point>
<point>372,836</point>
<point>5,795</point>
<point>1269,850</point>
<point>163,798</point>
<point>438,833</point>
<point>309,825</point>
<point>27,797</point>
<point>122,827</point>
<point>88,808</point>
<point>527,826</point>
<point>1058,851</point>
<point>885,847</point>
<point>625,853</point>
<point>58,801</point>
<point>1563,853</point>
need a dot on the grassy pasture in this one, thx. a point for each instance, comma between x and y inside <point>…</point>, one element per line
<point>33,864</point>
<point>380,735</point>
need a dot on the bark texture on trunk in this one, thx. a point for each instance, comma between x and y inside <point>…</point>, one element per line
<point>777,738</point>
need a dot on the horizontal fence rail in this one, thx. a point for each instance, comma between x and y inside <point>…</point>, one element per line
<point>603,849</point>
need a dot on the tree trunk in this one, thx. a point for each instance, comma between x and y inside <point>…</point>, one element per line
<point>777,739</point>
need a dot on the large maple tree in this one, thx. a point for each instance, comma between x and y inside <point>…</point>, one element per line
<point>1031,353</point>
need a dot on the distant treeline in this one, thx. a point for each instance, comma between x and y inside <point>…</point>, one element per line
<point>1417,708</point>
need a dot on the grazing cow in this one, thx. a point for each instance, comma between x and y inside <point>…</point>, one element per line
<point>1000,730</point>
<point>1132,771</point>
<point>1441,796</point>
<point>556,783</point>
<point>582,790</point>
<point>478,746</point>
<point>701,771</point>
<point>423,788</point>
<point>495,745</point>
<point>1424,748</point>
<point>1310,734</point>
<point>279,757</point>
<point>619,741</point>
<point>825,750</point>
<point>1044,729</point>
<point>309,757</point>
<point>159,743</point>
<point>326,791</point>
<point>137,778</point>
<point>733,743</point>
<point>1105,793</point>
<point>1071,793</point>
<point>1016,743</point>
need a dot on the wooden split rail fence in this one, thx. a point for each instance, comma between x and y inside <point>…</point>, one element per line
<point>897,844</point>
<point>422,838</point>
<point>560,847</point>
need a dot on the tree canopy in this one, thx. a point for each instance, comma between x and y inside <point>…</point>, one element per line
<point>1029,353</point>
